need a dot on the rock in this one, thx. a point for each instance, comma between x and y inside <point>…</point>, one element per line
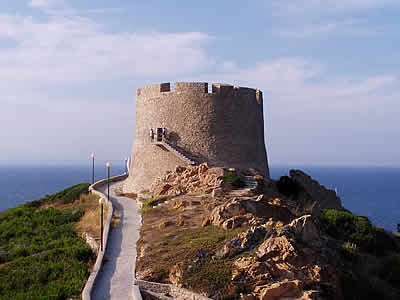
<point>202,168</point>
<point>281,289</point>
<point>176,275</point>
<point>206,222</point>
<point>162,189</point>
<point>248,270</point>
<point>276,247</point>
<point>200,256</point>
<point>305,229</point>
<point>237,221</point>
<point>223,212</point>
<point>180,221</point>
<point>163,224</point>
<point>326,198</point>
<point>180,169</point>
<point>217,192</point>
<point>263,209</point>
<point>244,241</point>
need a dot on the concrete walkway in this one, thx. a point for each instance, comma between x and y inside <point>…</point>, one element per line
<point>115,281</point>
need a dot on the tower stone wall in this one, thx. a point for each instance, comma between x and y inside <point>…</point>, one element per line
<point>224,127</point>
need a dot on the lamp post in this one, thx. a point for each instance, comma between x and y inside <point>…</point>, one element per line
<point>93,156</point>
<point>101,201</point>
<point>126,165</point>
<point>108,164</point>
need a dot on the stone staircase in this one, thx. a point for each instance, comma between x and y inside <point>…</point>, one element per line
<point>171,148</point>
<point>250,182</point>
<point>249,188</point>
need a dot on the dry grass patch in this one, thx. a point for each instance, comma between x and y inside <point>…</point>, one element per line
<point>90,222</point>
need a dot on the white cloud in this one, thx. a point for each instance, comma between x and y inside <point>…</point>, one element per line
<point>68,49</point>
<point>330,6</point>
<point>312,116</point>
<point>350,27</point>
<point>45,4</point>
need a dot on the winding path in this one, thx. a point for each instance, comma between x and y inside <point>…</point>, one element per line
<point>115,280</point>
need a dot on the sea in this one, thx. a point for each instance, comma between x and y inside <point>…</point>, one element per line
<point>368,191</point>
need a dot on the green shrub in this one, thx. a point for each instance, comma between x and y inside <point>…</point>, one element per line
<point>232,178</point>
<point>149,203</point>
<point>358,230</point>
<point>68,195</point>
<point>44,257</point>
<point>390,269</point>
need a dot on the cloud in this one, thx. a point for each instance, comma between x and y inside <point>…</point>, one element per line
<point>74,49</point>
<point>45,4</point>
<point>330,6</point>
<point>350,27</point>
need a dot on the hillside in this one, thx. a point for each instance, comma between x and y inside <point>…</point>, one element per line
<point>42,255</point>
<point>228,234</point>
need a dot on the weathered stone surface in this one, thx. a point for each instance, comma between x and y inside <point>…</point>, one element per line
<point>305,229</point>
<point>197,124</point>
<point>188,180</point>
<point>176,275</point>
<point>286,288</point>
<point>276,246</point>
<point>314,191</point>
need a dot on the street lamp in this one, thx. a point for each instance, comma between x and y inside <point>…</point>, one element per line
<point>101,201</point>
<point>126,165</point>
<point>93,156</point>
<point>108,165</point>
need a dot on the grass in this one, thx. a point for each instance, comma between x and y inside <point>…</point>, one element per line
<point>232,178</point>
<point>41,255</point>
<point>90,221</point>
<point>211,276</point>
<point>149,203</point>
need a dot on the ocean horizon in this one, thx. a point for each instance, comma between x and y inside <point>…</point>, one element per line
<point>367,191</point>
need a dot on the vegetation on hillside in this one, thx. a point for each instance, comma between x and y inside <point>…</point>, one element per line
<point>371,256</point>
<point>41,255</point>
<point>234,179</point>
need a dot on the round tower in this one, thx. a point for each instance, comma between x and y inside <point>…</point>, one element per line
<point>190,125</point>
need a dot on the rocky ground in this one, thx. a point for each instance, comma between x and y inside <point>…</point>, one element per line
<point>259,240</point>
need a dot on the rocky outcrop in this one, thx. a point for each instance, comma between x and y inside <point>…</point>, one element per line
<point>314,194</point>
<point>199,179</point>
<point>251,211</point>
<point>279,251</point>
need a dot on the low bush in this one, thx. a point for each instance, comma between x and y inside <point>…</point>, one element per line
<point>42,255</point>
<point>232,178</point>
<point>149,203</point>
<point>68,195</point>
<point>358,230</point>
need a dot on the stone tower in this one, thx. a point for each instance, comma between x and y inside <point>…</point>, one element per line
<point>224,128</point>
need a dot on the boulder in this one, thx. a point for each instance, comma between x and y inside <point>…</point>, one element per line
<point>176,275</point>
<point>285,288</point>
<point>305,229</point>
<point>162,189</point>
<point>276,247</point>
<point>326,198</point>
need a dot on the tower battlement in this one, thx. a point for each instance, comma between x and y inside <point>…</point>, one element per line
<point>159,89</point>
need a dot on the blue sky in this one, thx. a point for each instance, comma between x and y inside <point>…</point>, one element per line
<point>329,70</point>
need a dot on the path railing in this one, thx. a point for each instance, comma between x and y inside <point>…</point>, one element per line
<point>171,148</point>
<point>87,290</point>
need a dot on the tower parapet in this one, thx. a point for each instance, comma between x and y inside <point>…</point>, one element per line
<point>224,127</point>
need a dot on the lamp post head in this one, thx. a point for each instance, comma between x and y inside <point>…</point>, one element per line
<point>101,200</point>
<point>108,164</point>
<point>93,155</point>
